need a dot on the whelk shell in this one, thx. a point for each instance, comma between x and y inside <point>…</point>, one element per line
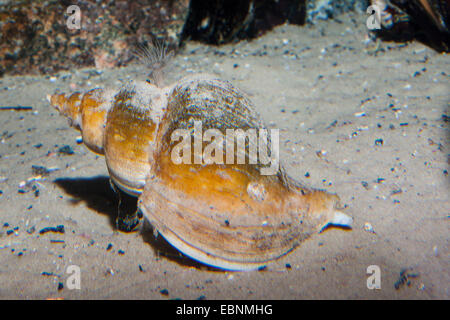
<point>228,216</point>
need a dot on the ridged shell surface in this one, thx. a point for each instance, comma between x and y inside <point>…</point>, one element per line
<point>225,215</point>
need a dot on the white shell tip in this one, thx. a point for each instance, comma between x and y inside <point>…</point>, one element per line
<point>341,219</point>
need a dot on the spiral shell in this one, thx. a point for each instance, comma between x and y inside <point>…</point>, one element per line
<point>227,215</point>
<point>121,125</point>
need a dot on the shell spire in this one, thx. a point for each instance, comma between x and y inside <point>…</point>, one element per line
<point>87,113</point>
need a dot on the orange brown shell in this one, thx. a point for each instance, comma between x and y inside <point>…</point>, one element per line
<point>228,216</point>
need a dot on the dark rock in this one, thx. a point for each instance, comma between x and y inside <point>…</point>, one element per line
<point>405,20</point>
<point>35,36</point>
<point>40,36</point>
<point>218,22</point>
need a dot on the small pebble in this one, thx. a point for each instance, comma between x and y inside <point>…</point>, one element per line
<point>379,142</point>
<point>164,292</point>
<point>396,191</point>
<point>405,277</point>
<point>368,227</point>
<point>435,251</point>
<point>40,171</point>
<point>66,150</point>
<point>56,241</point>
<point>31,230</point>
<point>262,268</point>
<point>321,153</point>
<point>58,229</point>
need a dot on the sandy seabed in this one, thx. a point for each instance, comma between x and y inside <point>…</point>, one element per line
<point>367,123</point>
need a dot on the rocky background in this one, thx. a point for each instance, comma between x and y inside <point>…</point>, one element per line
<point>45,37</point>
<point>35,36</point>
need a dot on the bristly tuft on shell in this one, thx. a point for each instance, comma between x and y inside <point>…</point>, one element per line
<point>156,58</point>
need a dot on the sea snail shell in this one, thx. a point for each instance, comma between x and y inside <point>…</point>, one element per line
<point>228,216</point>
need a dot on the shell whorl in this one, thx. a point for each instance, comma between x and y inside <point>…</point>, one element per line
<point>131,127</point>
<point>120,125</point>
